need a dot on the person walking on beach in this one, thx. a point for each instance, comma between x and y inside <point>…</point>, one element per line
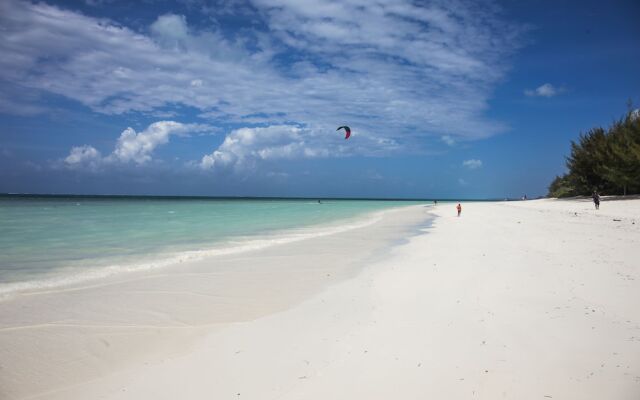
<point>459,208</point>
<point>596,199</point>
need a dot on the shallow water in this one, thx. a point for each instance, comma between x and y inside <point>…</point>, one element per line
<point>57,239</point>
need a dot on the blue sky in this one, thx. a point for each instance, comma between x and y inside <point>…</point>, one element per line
<point>446,99</point>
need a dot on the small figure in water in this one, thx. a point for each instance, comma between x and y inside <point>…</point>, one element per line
<point>319,202</point>
<point>459,208</point>
<point>596,199</point>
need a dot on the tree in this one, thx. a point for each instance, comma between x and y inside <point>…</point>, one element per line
<point>604,160</point>
<point>586,162</point>
<point>623,166</point>
<point>562,187</point>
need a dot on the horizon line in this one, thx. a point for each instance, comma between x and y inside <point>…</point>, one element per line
<point>230,197</point>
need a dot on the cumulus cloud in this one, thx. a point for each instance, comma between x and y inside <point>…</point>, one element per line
<point>545,90</point>
<point>472,164</point>
<point>137,147</point>
<point>399,66</point>
<point>131,146</point>
<point>243,148</point>
<point>83,155</point>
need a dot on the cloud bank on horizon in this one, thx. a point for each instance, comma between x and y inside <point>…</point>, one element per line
<point>279,84</point>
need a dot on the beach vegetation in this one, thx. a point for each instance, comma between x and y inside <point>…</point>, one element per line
<point>606,160</point>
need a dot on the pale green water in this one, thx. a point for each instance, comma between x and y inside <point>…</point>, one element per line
<point>44,238</point>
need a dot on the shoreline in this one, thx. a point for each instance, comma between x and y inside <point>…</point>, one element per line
<point>61,278</point>
<point>143,316</point>
<point>526,300</point>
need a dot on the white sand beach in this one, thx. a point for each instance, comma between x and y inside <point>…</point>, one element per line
<point>515,300</point>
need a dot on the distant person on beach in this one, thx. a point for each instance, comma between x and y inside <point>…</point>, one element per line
<point>596,199</point>
<point>459,208</point>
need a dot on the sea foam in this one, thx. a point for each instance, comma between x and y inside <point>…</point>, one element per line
<point>230,247</point>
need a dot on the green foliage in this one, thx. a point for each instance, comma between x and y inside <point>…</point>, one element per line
<point>604,160</point>
<point>623,170</point>
<point>562,187</point>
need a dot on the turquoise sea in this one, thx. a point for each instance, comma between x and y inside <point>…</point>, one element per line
<point>50,241</point>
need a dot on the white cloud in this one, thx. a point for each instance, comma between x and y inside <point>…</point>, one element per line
<point>244,147</point>
<point>131,146</point>
<point>137,147</point>
<point>83,156</point>
<point>462,182</point>
<point>170,30</point>
<point>545,90</point>
<point>397,66</point>
<point>448,140</point>
<point>472,164</point>
<point>170,26</point>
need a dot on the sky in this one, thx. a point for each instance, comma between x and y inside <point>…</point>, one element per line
<point>445,99</point>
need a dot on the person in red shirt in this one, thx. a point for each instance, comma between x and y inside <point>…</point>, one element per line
<point>459,208</point>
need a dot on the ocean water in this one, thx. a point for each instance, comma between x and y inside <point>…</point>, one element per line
<point>52,241</point>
